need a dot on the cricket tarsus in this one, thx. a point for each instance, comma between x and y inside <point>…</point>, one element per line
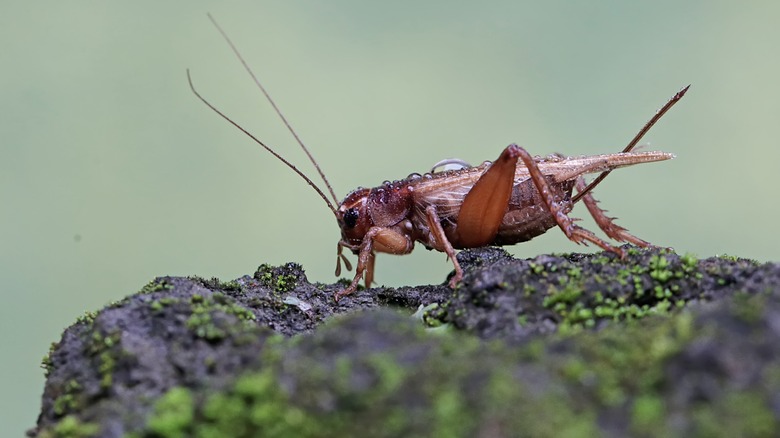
<point>273,104</point>
<point>632,144</point>
<point>256,140</point>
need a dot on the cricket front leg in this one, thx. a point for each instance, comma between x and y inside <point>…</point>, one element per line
<point>376,239</point>
<point>365,261</point>
<point>606,223</point>
<point>558,210</point>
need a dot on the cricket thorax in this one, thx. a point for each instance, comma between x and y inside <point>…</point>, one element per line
<point>389,203</point>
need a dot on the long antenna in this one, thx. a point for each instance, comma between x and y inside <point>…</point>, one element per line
<point>658,114</point>
<point>290,165</point>
<point>273,104</point>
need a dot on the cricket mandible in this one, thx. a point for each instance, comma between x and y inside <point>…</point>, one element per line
<point>510,200</point>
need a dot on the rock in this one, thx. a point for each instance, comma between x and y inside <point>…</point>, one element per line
<point>657,344</point>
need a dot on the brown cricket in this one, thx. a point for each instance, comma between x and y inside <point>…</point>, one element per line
<point>512,199</point>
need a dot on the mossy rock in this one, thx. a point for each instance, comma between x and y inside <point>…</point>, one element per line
<point>657,344</point>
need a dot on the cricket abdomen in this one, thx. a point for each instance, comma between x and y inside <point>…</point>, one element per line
<point>527,214</point>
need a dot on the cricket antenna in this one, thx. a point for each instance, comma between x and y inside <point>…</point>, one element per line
<point>274,153</point>
<point>276,108</point>
<point>658,114</point>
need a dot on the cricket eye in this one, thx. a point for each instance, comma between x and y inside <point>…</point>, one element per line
<point>351,217</point>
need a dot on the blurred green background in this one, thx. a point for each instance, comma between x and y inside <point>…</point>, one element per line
<point>112,173</point>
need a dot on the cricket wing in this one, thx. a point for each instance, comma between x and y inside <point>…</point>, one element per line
<point>566,168</point>
<point>445,192</point>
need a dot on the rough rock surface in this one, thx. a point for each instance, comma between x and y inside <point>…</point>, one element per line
<point>657,344</point>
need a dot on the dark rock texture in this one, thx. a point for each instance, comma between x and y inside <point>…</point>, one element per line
<point>657,344</point>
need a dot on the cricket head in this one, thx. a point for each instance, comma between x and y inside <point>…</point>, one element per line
<point>381,207</point>
<point>353,218</point>
<point>354,221</point>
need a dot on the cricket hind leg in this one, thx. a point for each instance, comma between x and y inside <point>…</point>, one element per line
<point>485,205</point>
<point>606,223</point>
<point>559,209</point>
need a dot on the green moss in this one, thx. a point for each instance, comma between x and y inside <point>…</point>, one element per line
<point>255,406</point>
<point>569,294</point>
<point>342,372</point>
<point>566,302</point>
<point>522,320</point>
<point>742,414</point>
<point>70,400</point>
<point>156,306</point>
<point>659,280</point>
<point>173,414</point>
<point>648,415</point>
<point>279,279</point>
<point>748,307</point>
<point>268,405</point>
<point>510,410</point>
<point>431,315</point>
<point>156,285</point>
<point>574,272</point>
<point>207,318</point>
<point>70,427</point>
<point>634,251</point>
<point>450,415</point>
<point>232,285</point>
<point>259,403</point>
<point>389,372</point>
<point>101,346</point>
<point>87,318</point>
<point>216,283</point>
<point>659,269</point>
<point>689,260</point>
<point>620,362</point>
<point>536,268</point>
<point>47,363</point>
<point>224,416</point>
<point>160,304</point>
<point>106,366</point>
<point>458,389</point>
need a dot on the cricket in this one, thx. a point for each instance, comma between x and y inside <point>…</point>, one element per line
<point>503,202</point>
